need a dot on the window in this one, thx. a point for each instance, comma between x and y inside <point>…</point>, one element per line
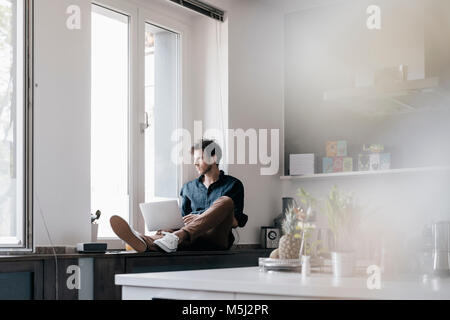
<point>15,128</point>
<point>134,111</point>
<point>161,99</point>
<point>110,116</point>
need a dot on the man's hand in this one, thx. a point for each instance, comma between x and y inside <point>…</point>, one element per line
<point>235,223</point>
<point>189,218</point>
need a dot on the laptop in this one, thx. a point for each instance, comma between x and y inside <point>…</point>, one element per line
<point>162,214</point>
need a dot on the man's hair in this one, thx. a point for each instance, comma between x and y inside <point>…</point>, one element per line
<point>209,148</point>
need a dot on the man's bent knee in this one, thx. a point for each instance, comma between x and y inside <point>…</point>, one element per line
<point>226,202</point>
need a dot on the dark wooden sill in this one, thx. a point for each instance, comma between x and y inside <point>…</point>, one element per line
<point>240,249</point>
<point>38,273</point>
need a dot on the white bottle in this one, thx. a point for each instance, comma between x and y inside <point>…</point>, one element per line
<point>306,266</point>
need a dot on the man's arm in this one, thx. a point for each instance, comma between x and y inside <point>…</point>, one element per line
<point>236,192</point>
<point>185,204</point>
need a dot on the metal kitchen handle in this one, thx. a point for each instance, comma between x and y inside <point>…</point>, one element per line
<point>146,124</point>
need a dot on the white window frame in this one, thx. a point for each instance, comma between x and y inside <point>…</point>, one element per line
<point>130,11</point>
<point>23,243</point>
<point>160,20</point>
<point>136,180</point>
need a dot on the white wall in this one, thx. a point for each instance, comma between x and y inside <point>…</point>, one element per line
<point>62,150</point>
<point>256,83</point>
<point>330,56</point>
<point>210,78</point>
<point>210,70</point>
<point>255,71</point>
<point>251,49</point>
<point>256,100</point>
<point>325,56</point>
<point>62,124</point>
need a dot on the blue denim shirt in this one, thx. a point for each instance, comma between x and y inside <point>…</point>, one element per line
<point>196,198</point>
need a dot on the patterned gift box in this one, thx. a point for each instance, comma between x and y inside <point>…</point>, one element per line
<point>364,162</point>
<point>342,148</point>
<point>332,149</point>
<point>385,161</point>
<point>327,165</point>
<point>338,164</point>
<point>347,165</point>
<point>374,162</point>
<point>373,148</point>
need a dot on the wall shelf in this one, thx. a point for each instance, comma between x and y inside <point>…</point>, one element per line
<point>400,98</point>
<point>386,91</point>
<point>320,176</point>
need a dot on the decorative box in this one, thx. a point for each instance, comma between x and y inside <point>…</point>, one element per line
<point>374,162</point>
<point>363,162</point>
<point>342,148</point>
<point>373,148</point>
<point>301,164</point>
<point>385,161</point>
<point>327,165</point>
<point>332,149</point>
<point>338,164</point>
<point>347,165</point>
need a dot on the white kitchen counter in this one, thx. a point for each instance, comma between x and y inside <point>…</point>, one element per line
<point>251,284</point>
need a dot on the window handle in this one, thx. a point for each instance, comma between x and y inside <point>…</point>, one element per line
<point>146,124</point>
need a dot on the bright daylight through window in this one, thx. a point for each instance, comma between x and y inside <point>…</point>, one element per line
<point>109,117</point>
<point>161,99</point>
<point>113,109</point>
<point>13,143</point>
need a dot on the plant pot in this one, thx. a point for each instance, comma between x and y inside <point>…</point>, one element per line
<point>94,232</point>
<point>343,263</point>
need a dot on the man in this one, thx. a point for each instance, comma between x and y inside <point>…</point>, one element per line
<point>212,206</point>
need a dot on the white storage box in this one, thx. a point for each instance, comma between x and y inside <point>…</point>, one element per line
<point>301,164</point>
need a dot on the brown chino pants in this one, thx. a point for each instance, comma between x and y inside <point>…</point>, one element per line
<point>210,230</point>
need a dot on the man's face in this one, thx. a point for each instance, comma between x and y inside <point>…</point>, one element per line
<point>201,164</point>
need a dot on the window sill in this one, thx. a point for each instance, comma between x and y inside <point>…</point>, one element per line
<point>9,242</point>
<point>70,253</point>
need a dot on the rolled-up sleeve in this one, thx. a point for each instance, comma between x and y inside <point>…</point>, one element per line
<point>185,203</point>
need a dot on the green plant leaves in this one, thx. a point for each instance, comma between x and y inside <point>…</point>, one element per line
<point>343,217</point>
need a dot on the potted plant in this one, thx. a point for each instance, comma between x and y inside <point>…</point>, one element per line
<point>94,218</point>
<point>309,203</point>
<point>343,218</point>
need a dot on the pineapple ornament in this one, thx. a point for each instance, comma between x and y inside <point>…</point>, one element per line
<point>290,242</point>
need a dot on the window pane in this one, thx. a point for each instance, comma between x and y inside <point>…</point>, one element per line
<point>109,116</point>
<point>161,99</point>
<point>11,123</point>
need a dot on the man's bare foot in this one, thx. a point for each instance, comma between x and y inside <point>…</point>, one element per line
<point>127,234</point>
